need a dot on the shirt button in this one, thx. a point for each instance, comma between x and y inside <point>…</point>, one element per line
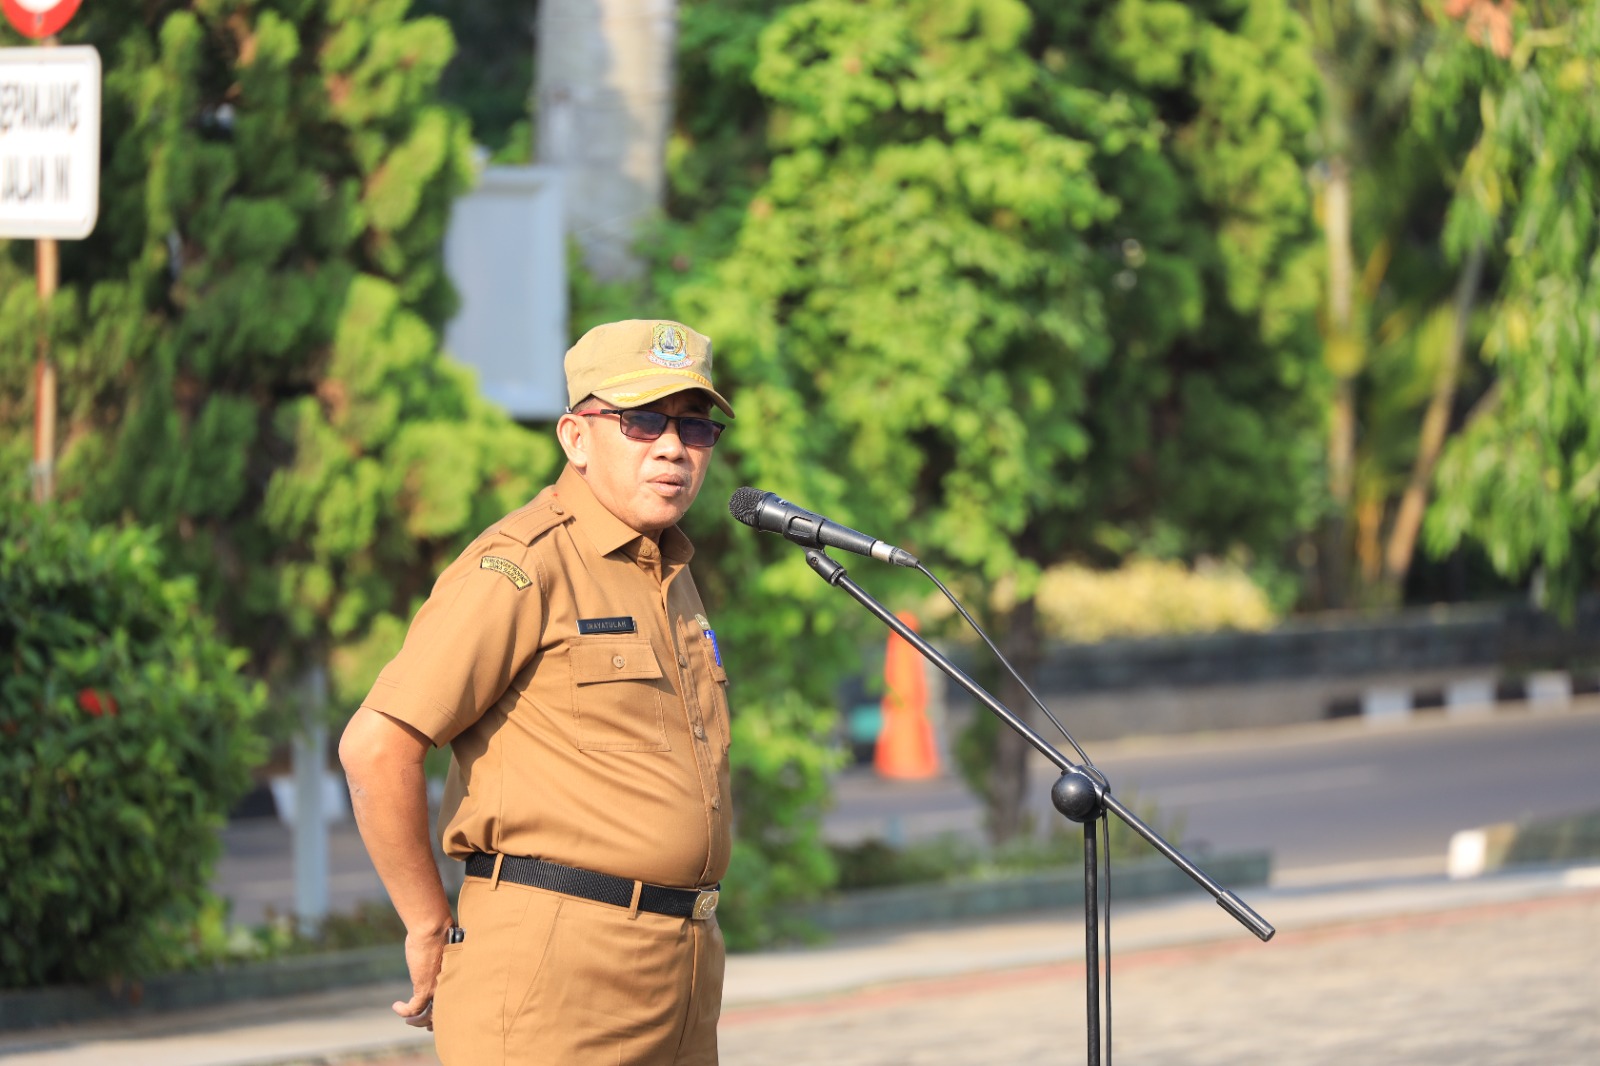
<point>716,805</point>
<point>699,731</point>
<point>557,508</point>
<point>619,662</point>
<point>683,660</point>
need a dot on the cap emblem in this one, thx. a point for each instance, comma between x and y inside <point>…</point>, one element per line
<point>670,349</point>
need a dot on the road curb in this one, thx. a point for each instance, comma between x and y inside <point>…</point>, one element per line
<point>164,993</point>
<point>1536,692</point>
<point>1572,838</point>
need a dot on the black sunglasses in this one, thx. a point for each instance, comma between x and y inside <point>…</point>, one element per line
<point>695,432</point>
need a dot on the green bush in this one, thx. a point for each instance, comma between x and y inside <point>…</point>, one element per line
<point>126,733</point>
<point>875,863</point>
<point>1148,598</point>
<point>1142,597</point>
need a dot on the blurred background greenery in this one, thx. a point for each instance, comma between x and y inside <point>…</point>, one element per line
<point>1129,317</point>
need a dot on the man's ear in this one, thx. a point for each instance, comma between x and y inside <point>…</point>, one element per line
<point>573,433</point>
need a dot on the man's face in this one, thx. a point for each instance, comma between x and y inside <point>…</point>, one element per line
<point>648,484</point>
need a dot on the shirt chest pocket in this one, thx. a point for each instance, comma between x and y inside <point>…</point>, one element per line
<point>616,695</point>
<point>721,721</point>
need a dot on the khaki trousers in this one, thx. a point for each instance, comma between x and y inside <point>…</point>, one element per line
<point>543,978</point>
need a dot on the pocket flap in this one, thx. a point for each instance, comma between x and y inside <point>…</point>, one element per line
<point>614,659</point>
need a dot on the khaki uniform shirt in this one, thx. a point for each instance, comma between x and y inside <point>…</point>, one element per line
<point>567,661</point>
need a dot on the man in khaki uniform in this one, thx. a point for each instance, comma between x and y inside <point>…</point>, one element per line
<point>567,660</point>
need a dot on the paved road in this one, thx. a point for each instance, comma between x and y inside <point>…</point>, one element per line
<point>256,871</point>
<point>1359,795</point>
<point>1340,798</point>
<point>1327,800</point>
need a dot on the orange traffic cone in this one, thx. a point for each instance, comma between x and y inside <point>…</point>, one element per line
<point>906,747</point>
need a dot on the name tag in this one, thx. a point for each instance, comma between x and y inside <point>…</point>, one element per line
<point>606,625</point>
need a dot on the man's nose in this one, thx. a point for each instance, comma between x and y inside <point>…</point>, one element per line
<point>669,444</point>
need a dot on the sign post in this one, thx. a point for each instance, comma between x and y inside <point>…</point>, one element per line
<point>47,265</point>
<point>49,174</point>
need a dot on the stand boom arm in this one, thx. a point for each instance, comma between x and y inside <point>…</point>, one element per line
<point>831,571</point>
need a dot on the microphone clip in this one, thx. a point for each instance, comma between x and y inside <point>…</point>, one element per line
<point>827,567</point>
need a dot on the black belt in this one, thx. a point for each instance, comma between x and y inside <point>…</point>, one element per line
<point>602,888</point>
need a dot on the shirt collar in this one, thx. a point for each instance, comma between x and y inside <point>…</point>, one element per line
<point>605,530</point>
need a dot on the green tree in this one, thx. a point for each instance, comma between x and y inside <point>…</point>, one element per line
<point>249,341</point>
<point>1026,283</point>
<point>1398,318</point>
<point>490,78</point>
<point>1523,477</point>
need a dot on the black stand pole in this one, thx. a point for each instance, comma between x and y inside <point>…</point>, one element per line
<point>1091,942</point>
<point>1080,794</point>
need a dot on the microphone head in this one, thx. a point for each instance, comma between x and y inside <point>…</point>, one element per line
<point>744,503</point>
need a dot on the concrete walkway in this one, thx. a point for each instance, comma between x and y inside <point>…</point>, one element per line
<point>1503,969</point>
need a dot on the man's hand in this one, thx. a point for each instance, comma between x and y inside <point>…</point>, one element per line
<point>424,956</point>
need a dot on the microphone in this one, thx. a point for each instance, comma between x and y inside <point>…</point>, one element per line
<point>771,513</point>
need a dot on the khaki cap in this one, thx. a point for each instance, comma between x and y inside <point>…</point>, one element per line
<point>639,361</point>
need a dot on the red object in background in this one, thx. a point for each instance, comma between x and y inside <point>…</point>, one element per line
<point>95,703</point>
<point>906,746</point>
<point>39,18</point>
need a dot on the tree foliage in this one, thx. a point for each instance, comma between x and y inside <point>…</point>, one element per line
<point>1018,282</point>
<point>1523,477</point>
<point>1013,283</point>
<point>490,78</point>
<point>249,342</point>
<point>1400,318</point>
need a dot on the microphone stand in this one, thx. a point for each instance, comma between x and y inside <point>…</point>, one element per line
<point>1082,796</point>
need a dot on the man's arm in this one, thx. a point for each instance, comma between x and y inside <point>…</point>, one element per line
<point>382,760</point>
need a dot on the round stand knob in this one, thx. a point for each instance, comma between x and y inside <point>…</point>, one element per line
<point>1078,796</point>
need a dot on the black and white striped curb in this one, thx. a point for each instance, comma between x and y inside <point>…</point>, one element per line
<point>1547,690</point>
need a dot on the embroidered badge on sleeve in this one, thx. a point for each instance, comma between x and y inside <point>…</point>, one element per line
<point>510,569</point>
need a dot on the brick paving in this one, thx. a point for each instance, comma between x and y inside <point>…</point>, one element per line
<point>1502,971</point>
<point>1507,984</point>
<point>1503,984</point>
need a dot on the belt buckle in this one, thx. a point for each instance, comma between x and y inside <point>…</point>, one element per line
<point>705,905</point>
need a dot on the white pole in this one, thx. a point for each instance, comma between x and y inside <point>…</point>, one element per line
<point>604,113</point>
<point>310,755</point>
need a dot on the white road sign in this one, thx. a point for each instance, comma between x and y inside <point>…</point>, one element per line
<point>49,142</point>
